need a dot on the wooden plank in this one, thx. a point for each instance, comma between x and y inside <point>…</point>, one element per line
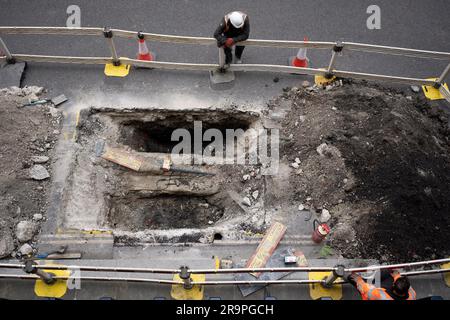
<point>266,247</point>
<point>123,158</point>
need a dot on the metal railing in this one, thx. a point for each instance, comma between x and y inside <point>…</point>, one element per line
<point>185,273</point>
<point>328,72</point>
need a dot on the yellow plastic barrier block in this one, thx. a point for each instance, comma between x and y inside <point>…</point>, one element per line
<point>178,292</point>
<point>447,274</point>
<point>121,70</point>
<point>55,290</point>
<point>321,80</point>
<point>316,290</point>
<point>432,93</point>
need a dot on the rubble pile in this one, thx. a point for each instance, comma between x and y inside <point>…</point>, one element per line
<point>27,140</point>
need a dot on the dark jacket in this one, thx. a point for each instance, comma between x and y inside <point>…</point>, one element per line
<point>227,30</point>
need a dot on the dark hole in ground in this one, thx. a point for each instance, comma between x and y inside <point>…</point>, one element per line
<point>156,136</point>
<point>218,236</point>
<point>162,212</point>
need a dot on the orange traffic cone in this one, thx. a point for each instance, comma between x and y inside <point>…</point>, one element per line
<point>144,53</point>
<point>300,60</point>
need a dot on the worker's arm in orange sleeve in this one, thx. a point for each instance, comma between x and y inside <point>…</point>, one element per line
<point>358,282</point>
<point>362,286</point>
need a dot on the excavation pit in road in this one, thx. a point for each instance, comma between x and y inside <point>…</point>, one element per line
<point>162,212</point>
<point>139,201</point>
<point>156,136</point>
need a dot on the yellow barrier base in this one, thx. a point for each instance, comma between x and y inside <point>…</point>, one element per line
<point>322,81</point>
<point>117,71</point>
<point>447,274</point>
<point>432,93</point>
<point>178,292</point>
<point>55,290</point>
<point>316,290</point>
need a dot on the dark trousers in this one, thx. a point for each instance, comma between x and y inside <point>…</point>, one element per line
<point>237,52</point>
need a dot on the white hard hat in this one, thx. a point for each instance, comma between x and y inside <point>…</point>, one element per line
<point>236,19</point>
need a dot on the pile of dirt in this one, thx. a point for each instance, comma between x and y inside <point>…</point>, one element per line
<point>27,138</point>
<point>378,159</point>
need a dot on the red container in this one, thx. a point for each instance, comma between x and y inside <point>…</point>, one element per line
<point>320,232</point>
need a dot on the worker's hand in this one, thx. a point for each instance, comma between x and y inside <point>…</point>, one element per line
<point>221,42</point>
<point>351,278</point>
<point>229,42</point>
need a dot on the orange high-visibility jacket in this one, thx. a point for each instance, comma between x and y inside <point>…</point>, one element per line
<point>370,292</point>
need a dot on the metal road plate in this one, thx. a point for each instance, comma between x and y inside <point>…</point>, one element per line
<point>266,247</point>
<point>275,261</point>
<point>11,74</point>
<point>59,99</point>
<point>317,291</point>
<point>432,93</point>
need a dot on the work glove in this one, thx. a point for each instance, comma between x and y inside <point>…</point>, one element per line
<point>221,41</point>
<point>351,277</point>
<point>229,42</point>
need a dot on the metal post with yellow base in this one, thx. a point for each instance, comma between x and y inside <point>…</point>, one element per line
<point>434,92</point>
<point>187,290</point>
<point>48,286</point>
<point>116,68</point>
<point>326,289</point>
<point>446,275</point>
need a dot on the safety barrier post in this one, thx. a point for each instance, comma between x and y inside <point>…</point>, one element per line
<point>109,37</point>
<point>185,275</point>
<point>337,272</point>
<point>30,267</point>
<point>336,50</point>
<point>221,59</point>
<point>9,58</point>
<point>440,81</point>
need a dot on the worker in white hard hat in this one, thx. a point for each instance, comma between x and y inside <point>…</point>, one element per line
<point>234,28</point>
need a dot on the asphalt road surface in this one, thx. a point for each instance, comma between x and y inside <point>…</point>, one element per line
<point>404,23</point>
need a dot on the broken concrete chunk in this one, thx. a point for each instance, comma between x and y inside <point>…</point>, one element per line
<point>305,84</point>
<point>255,194</point>
<point>301,207</point>
<point>37,217</point>
<point>25,230</point>
<point>32,90</point>
<point>415,89</point>
<point>325,216</point>
<point>40,159</point>
<point>246,177</point>
<point>6,245</point>
<point>328,151</point>
<point>38,172</point>
<point>246,201</point>
<point>26,249</point>
<point>295,165</point>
